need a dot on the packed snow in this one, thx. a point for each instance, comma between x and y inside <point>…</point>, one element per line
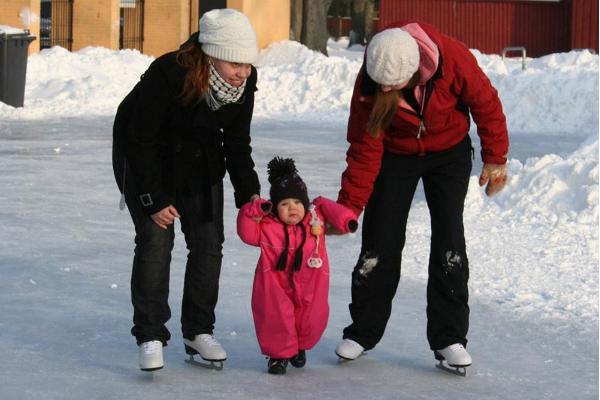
<point>66,248</point>
<point>10,30</point>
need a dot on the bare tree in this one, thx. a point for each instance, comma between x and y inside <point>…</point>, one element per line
<point>311,15</point>
<point>357,16</point>
<point>369,15</point>
<point>296,20</point>
<point>362,14</point>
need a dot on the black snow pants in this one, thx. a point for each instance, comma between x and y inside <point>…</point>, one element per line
<point>152,258</point>
<point>376,276</point>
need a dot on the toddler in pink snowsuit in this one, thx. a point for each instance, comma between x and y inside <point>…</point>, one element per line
<point>291,282</point>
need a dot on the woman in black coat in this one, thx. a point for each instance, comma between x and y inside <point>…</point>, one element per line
<point>184,124</point>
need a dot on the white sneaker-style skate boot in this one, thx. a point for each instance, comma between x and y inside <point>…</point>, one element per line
<point>455,355</point>
<point>151,355</point>
<point>349,350</point>
<point>207,346</point>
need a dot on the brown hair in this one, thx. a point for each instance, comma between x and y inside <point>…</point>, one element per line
<point>385,106</point>
<point>195,84</point>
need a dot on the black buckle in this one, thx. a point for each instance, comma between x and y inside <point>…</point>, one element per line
<point>146,200</point>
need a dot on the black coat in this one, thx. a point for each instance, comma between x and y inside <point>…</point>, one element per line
<point>168,146</point>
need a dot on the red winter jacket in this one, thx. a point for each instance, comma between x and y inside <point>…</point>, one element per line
<point>457,87</point>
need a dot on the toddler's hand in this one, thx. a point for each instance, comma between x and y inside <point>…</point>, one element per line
<point>264,205</point>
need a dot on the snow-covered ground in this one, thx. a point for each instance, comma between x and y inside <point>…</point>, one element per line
<point>66,249</point>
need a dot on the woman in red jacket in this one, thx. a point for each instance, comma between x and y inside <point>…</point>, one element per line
<point>409,120</point>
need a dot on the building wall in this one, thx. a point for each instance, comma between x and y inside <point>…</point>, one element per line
<point>95,23</point>
<point>194,15</point>
<point>10,15</point>
<point>584,25</point>
<point>167,24</point>
<point>489,26</point>
<point>341,26</point>
<point>270,18</point>
<point>207,5</point>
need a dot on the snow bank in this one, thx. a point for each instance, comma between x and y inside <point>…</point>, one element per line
<point>294,81</point>
<point>89,82</point>
<point>10,29</point>
<point>539,257</point>
<point>555,95</point>
<point>554,187</point>
<point>550,187</point>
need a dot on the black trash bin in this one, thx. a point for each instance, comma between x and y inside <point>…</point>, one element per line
<point>13,67</point>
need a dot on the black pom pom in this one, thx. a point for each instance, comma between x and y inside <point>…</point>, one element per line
<point>279,167</point>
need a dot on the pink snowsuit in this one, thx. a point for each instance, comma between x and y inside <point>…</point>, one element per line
<point>290,316</point>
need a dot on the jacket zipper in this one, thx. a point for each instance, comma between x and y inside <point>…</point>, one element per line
<point>292,258</point>
<point>419,140</point>
<point>422,128</point>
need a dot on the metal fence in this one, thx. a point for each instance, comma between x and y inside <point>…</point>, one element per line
<point>56,23</point>
<point>131,34</point>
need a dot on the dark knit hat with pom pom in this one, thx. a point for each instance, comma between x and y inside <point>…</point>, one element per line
<point>285,181</point>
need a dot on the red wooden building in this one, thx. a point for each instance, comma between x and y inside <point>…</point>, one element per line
<point>542,26</point>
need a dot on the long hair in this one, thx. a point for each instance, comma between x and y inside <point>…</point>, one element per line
<point>195,84</point>
<point>385,106</point>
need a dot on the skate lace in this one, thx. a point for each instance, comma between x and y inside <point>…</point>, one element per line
<point>210,340</point>
<point>151,347</point>
<point>353,344</point>
<point>457,347</point>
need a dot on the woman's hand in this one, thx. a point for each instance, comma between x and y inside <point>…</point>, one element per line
<point>332,230</point>
<point>495,177</point>
<point>165,217</point>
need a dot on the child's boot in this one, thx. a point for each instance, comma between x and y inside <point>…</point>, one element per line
<point>277,366</point>
<point>299,360</point>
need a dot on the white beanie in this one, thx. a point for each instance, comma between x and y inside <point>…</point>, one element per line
<point>227,35</point>
<point>392,57</point>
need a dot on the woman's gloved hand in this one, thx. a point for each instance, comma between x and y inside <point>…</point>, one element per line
<point>495,177</point>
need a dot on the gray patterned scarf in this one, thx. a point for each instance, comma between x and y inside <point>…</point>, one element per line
<point>221,92</point>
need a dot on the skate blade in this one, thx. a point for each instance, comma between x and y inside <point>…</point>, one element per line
<point>460,371</point>
<point>152,369</point>
<point>214,365</point>
<point>344,360</point>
